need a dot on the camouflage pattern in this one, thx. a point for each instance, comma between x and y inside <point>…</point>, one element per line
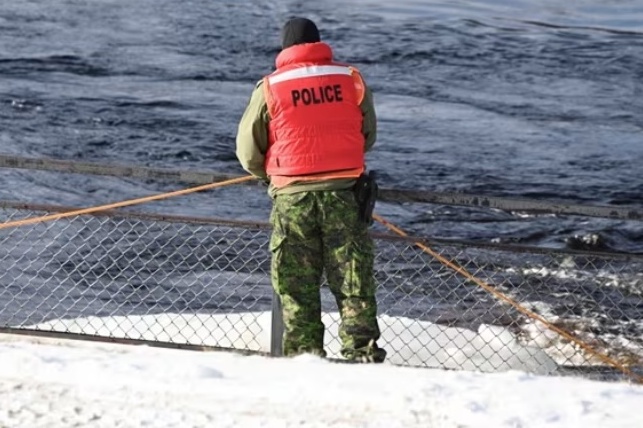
<point>313,232</point>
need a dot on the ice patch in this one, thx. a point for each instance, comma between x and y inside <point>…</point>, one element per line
<point>408,341</point>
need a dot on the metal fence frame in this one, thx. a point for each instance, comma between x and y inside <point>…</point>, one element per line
<point>276,322</point>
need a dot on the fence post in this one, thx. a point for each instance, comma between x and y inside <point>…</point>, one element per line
<point>277,327</point>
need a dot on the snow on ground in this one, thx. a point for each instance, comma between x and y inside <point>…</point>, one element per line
<point>55,383</point>
<point>409,342</point>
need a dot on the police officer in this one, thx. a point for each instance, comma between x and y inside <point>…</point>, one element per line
<point>305,132</point>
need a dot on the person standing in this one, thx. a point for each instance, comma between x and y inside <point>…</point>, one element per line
<point>304,132</point>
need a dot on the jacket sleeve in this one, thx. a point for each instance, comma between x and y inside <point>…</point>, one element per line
<point>252,135</point>
<point>369,122</point>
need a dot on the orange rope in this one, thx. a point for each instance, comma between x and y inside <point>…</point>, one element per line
<point>45,218</point>
<point>606,359</point>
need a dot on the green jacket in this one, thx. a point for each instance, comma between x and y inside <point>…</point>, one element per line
<point>252,142</point>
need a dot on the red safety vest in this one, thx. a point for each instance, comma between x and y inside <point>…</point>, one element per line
<point>315,128</point>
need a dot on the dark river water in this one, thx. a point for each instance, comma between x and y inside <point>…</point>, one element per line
<point>498,98</point>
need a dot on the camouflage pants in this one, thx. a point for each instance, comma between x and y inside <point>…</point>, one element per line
<point>313,233</point>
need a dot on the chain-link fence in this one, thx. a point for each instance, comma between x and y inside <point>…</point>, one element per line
<point>206,282</point>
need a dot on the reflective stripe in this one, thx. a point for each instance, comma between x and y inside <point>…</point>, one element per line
<point>312,71</point>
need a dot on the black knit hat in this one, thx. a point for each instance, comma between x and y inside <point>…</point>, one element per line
<point>298,31</point>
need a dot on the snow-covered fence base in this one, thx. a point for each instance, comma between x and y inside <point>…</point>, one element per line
<point>413,343</point>
<point>206,282</point>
